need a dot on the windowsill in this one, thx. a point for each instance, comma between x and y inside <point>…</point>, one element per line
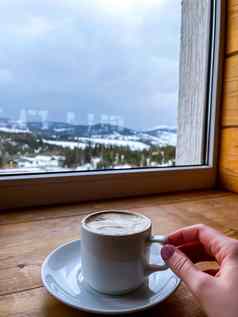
<point>39,190</point>
<point>23,249</point>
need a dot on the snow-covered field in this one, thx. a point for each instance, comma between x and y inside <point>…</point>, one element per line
<point>82,143</point>
<point>12,130</point>
<point>133,145</point>
<point>44,169</point>
<point>24,170</point>
<point>70,144</point>
<point>166,139</point>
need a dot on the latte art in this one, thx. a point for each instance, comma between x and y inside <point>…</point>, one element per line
<point>117,223</point>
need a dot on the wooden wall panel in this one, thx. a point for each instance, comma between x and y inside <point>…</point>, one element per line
<point>232,27</point>
<point>229,159</point>
<point>230,93</point>
<point>228,162</point>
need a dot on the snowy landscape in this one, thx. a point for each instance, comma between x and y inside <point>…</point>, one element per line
<point>58,146</point>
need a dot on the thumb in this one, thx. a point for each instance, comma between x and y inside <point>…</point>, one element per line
<point>184,268</point>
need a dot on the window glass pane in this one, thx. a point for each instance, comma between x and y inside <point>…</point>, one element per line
<point>88,84</point>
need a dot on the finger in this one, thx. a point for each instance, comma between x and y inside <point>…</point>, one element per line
<point>185,269</point>
<point>196,252</point>
<point>211,239</point>
<point>194,233</point>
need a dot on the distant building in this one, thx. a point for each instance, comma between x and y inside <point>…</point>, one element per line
<point>40,161</point>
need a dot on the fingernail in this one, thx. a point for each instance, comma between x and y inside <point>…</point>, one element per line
<point>167,251</point>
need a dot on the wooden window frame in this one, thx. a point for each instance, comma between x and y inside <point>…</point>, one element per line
<point>59,188</point>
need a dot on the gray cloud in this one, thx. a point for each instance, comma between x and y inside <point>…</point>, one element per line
<point>98,56</point>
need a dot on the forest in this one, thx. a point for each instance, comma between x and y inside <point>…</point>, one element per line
<point>14,147</point>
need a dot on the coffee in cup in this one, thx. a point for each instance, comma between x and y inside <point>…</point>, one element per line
<point>115,253</point>
<point>116,223</point>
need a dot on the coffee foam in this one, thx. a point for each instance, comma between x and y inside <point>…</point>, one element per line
<point>117,223</point>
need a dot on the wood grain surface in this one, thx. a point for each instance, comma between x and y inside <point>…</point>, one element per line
<point>27,237</point>
<point>229,116</point>
<point>194,48</point>
<point>232,27</point>
<point>228,158</point>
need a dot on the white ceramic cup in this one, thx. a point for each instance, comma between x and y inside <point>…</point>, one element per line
<point>117,264</point>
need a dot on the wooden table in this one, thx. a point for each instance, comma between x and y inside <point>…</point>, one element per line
<point>28,235</point>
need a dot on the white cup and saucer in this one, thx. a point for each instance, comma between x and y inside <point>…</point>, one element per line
<point>115,268</point>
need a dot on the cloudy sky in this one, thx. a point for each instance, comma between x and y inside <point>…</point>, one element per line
<point>90,60</point>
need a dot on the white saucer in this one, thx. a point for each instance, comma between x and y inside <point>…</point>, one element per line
<point>61,275</point>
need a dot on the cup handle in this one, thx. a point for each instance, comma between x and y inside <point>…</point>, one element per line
<point>150,268</point>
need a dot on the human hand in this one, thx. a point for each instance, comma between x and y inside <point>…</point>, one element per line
<point>217,291</point>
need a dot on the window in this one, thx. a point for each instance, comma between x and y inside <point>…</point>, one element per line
<point>95,90</point>
<point>88,85</point>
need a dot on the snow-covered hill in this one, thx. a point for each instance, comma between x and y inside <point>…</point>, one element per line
<point>71,136</point>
